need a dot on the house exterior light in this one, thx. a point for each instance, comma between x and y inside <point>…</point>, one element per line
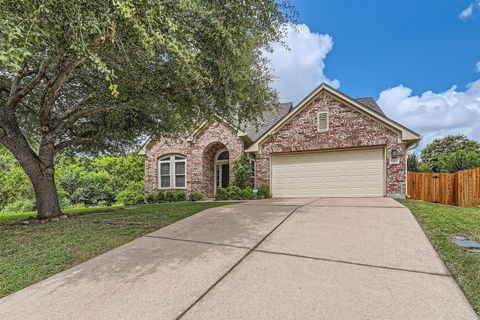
<point>394,154</point>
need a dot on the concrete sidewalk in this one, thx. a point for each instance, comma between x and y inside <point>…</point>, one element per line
<point>301,258</point>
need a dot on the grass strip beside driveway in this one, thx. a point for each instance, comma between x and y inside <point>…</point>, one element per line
<point>31,253</point>
<point>441,223</point>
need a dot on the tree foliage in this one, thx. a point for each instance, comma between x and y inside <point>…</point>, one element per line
<point>458,160</point>
<point>99,76</point>
<point>81,181</point>
<point>412,162</point>
<point>441,148</point>
<point>242,172</point>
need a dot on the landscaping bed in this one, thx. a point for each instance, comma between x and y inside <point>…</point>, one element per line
<point>31,253</point>
<point>441,224</point>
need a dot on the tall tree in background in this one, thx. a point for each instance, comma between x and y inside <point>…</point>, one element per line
<point>412,162</point>
<point>96,75</point>
<point>445,146</point>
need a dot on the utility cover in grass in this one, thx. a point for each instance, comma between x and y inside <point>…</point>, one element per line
<point>470,245</point>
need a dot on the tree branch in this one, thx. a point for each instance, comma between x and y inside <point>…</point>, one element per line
<point>77,112</point>
<point>75,142</point>
<point>88,111</point>
<point>14,87</point>
<point>76,107</point>
<point>40,73</point>
<point>52,90</point>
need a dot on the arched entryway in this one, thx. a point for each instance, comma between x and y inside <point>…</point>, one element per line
<point>222,169</point>
<point>215,168</point>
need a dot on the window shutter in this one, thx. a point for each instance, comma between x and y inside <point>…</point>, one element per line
<point>322,121</point>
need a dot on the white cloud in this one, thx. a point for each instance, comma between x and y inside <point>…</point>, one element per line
<point>299,69</point>
<point>467,12</point>
<point>435,115</point>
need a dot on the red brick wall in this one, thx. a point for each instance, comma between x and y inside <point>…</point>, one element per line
<point>199,157</point>
<point>348,128</point>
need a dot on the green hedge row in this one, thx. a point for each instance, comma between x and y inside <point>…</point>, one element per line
<point>163,196</point>
<point>237,193</point>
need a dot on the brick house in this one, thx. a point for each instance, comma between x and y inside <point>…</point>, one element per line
<point>328,145</point>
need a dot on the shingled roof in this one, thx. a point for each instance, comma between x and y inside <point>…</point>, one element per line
<point>370,103</point>
<point>269,119</point>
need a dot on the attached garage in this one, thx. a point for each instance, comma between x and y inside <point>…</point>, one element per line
<point>345,173</point>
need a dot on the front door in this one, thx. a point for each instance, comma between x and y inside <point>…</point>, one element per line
<point>225,175</point>
<point>222,170</point>
<point>222,175</point>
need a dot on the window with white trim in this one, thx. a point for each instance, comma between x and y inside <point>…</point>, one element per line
<point>252,167</point>
<point>172,170</point>
<point>322,121</point>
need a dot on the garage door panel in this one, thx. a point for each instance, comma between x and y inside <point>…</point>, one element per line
<point>335,173</point>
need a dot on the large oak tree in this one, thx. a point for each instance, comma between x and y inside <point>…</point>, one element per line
<point>99,75</point>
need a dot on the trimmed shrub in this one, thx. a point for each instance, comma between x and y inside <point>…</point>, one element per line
<point>170,196</point>
<point>264,192</point>
<point>150,198</point>
<point>234,192</point>
<point>159,196</point>
<point>195,196</point>
<point>247,193</point>
<point>181,196</point>
<point>222,194</point>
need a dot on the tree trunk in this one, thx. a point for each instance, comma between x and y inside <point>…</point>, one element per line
<point>39,169</point>
<point>46,195</point>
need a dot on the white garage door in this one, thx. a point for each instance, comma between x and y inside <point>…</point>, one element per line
<point>333,174</point>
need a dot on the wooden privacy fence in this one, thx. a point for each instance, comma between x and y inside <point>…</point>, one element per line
<point>461,188</point>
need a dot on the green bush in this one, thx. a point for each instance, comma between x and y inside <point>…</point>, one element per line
<point>159,196</point>
<point>247,193</point>
<point>181,196</point>
<point>195,196</point>
<point>150,198</point>
<point>81,181</point>
<point>170,196</point>
<point>222,194</point>
<point>264,191</point>
<point>242,172</point>
<point>19,206</point>
<point>129,195</point>
<point>234,193</point>
<point>15,187</point>
<point>138,199</point>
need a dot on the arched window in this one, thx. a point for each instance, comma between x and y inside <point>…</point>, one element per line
<point>223,155</point>
<point>172,171</point>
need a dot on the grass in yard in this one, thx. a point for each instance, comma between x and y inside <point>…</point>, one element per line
<point>31,253</point>
<point>441,223</point>
<point>9,218</point>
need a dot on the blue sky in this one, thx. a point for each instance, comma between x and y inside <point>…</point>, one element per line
<point>417,58</point>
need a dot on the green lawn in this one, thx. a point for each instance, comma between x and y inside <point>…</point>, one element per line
<point>441,223</point>
<point>9,218</point>
<point>31,253</point>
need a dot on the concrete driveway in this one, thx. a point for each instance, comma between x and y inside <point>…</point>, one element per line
<point>329,258</point>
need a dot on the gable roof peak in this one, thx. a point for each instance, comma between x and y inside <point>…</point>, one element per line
<point>367,105</point>
<point>370,102</point>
